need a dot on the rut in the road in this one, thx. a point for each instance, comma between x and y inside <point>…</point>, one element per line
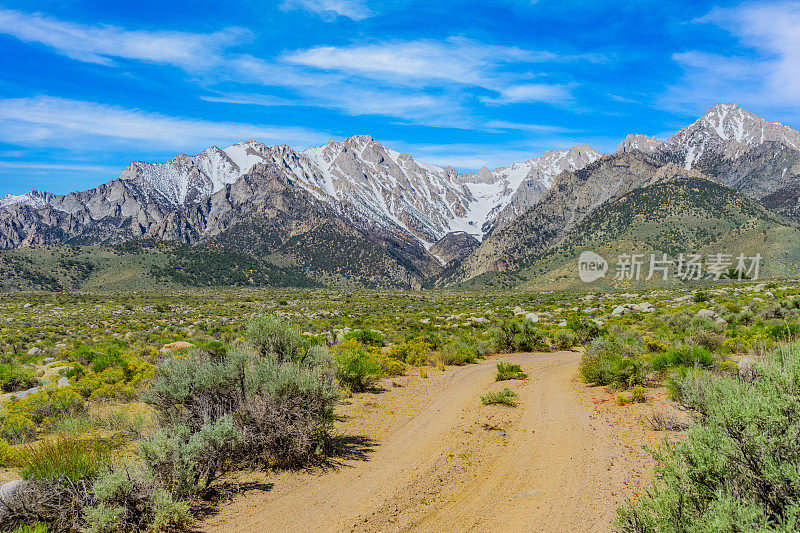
<point>437,468</point>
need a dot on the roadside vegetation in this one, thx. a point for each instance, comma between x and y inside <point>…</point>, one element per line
<point>129,410</point>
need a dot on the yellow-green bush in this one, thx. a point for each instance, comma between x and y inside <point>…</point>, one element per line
<point>17,427</point>
<point>413,352</point>
<point>8,454</point>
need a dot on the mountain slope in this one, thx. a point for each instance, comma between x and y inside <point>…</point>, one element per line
<point>680,216</point>
<point>573,196</point>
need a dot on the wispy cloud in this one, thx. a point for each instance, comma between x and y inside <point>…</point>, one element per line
<point>59,122</point>
<point>457,60</point>
<point>330,9</point>
<point>766,75</point>
<point>30,165</point>
<point>431,82</point>
<point>102,43</point>
<point>532,92</point>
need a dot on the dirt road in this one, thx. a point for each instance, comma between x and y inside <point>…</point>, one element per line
<point>441,461</point>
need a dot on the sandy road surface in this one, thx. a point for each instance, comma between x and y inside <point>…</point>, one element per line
<point>441,461</point>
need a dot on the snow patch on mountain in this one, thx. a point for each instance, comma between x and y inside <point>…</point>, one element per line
<point>31,198</point>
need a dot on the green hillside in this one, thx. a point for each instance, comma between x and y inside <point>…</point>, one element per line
<point>688,215</point>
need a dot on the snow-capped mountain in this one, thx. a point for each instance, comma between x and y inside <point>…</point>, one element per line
<point>31,198</point>
<point>329,209</point>
<point>725,130</point>
<point>507,192</point>
<point>384,185</point>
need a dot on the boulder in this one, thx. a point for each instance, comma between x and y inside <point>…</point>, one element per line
<point>562,324</point>
<point>645,307</point>
<point>62,382</point>
<point>34,351</point>
<point>48,360</point>
<point>707,313</point>
<point>533,317</point>
<point>721,322</point>
<point>10,491</point>
<point>179,345</point>
<point>620,310</point>
<point>518,311</point>
<point>747,368</point>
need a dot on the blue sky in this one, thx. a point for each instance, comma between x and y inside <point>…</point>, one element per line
<point>87,87</point>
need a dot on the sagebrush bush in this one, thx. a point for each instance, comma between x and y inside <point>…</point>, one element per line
<point>506,371</point>
<point>504,397</point>
<point>736,470</point>
<point>356,369</point>
<point>614,361</point>
<point>273,336</point>
<point>520,336</point>
<point>282,409</point>
<point>367,337</point>
<point>459,352</point>
<point>128,498</point>
<point>564,339</point>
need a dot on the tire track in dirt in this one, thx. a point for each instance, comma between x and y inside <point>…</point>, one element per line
<point>545,465</point>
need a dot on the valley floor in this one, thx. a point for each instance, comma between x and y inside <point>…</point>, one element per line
<point>424,454</point>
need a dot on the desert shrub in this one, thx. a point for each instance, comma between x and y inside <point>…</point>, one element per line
<point>509,371</point>
<point>530,338</point>
<point>14,377</point>
<point>687,387</point>
<point>413,352</point>
<point>460,352</point>
<point>700,297</point>
<point>184,462</point>
<point>612,361</point>
<point>49,403</point>
<point>391,367</point>
<point>127,498</point>
<point>282,409</point>
<point>272,336</point>
<point>736,470</point>
<point>17,427</point>
<point>516,335</point>
<point>586,330</point>
<point>787,331</point>
<point>356,369</point>
<point>8,454</point>
<point>505,335</point>
<point>57,502</point>
<point>64,456</point>
<point>683,355</point>
<point>710,340</point>
<point>637,394</point>
<point>367,337</point>
<point>564,339</point>
<point>504,397</point>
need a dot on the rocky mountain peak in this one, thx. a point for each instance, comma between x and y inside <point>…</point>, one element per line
<point>639,142</point>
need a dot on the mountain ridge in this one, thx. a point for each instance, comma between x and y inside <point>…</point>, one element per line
<point>414,220</point>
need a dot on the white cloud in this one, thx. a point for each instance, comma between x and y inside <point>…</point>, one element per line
<point>532,92</point>
<point>766,77</point>
<point>69,167</point>
<point>458,60</point>
<point>102,43</point>
<point>330,9</point>
<point>74,124</point>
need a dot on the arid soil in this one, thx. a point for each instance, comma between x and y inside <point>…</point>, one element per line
<point>424,454</point>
